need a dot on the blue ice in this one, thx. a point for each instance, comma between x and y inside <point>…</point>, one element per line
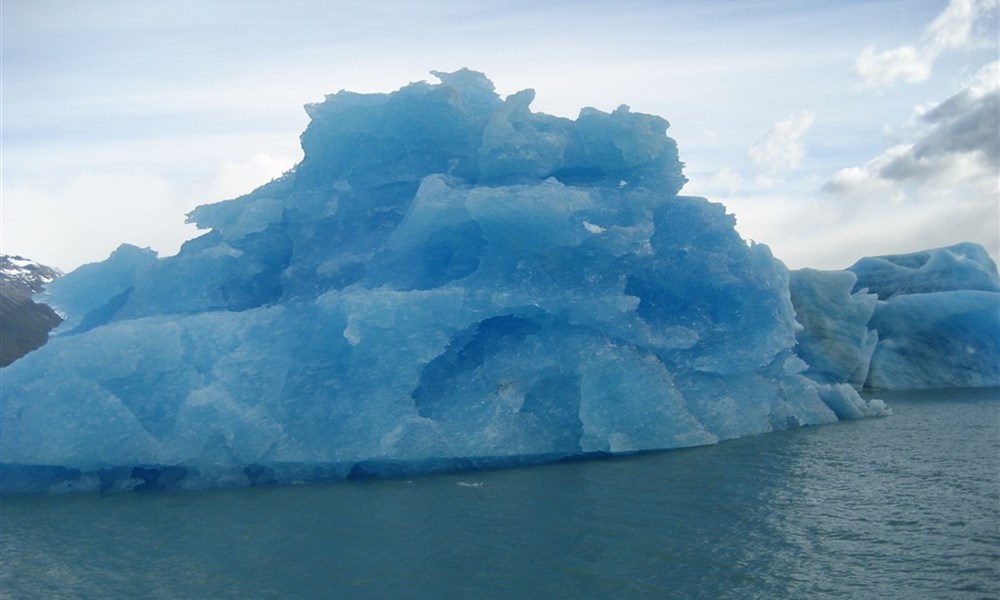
<point>928,319</point>
<point>448,280</point>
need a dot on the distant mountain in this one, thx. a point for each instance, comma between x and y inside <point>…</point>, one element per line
<point>24,323</point>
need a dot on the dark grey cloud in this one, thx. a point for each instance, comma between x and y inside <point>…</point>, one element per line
<point>965,123</point>
<point>945,175</point>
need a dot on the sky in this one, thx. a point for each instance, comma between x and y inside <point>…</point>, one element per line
<point>832,130</point>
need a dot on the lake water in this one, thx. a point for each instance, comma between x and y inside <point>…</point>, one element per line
<point>906,506</point>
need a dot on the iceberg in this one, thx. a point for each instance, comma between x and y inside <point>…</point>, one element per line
<point>928,319</point>
<point>962,267</point>
<point>835,339</point>
<point>447,280</point>
<point>938,318</point>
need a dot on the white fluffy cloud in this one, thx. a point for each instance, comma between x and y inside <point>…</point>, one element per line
<point>906,63</point>
<point>954,28</point>
<point>780,149</point>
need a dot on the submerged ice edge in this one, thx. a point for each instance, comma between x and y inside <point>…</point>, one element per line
<point>18,478</point>
<point>446,275</point>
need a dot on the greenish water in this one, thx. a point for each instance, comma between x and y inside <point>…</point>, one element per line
<point>906,506</point>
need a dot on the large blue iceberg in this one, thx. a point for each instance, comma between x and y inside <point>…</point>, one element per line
<point>447,280</point>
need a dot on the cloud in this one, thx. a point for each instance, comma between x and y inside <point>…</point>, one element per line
<point>865,183</point>
<point>957,142</point>
<point>235,178</point>
<point>885,68</point>
<point>953,29</point>
<point>943,181</point>
<point>83,218</point>
<point>780,150</point>
<point>967,122</point>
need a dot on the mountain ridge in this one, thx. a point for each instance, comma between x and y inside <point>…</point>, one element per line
<point>24,323</point>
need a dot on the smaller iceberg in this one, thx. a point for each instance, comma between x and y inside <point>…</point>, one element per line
<point>835,339</point>
<point>929,319</point>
